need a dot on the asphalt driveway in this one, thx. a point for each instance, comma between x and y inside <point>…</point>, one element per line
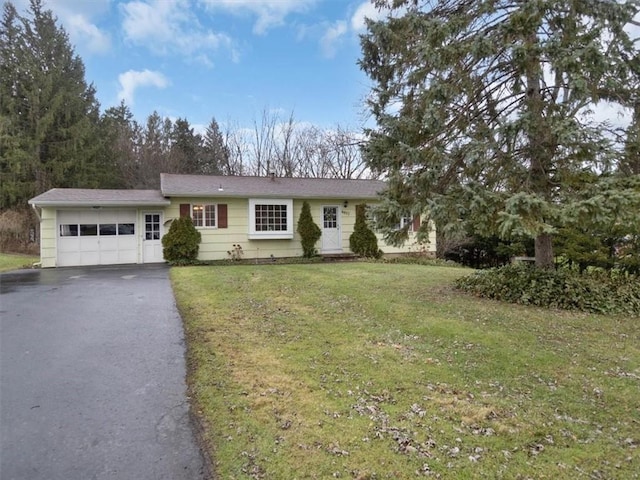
<point>92,377</point>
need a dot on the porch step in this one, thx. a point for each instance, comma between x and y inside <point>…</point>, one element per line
<point>339,257</point>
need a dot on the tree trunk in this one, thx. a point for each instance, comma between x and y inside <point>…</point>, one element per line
<point>544,251</point>
<point>541,147</point>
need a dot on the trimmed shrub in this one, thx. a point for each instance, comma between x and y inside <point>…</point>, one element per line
<point>309,232</point>
<point>363,241</point>
<point>181,243</point>
<point>596,291</point>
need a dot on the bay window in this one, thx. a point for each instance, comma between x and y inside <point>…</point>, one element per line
<point>270,219</point>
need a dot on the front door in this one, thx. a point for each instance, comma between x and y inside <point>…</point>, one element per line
<point>331,236</point>
<point>152,238</point>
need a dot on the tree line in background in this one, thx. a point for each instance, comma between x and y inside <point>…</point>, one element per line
<point>284,147</point>
<point>52,133</point>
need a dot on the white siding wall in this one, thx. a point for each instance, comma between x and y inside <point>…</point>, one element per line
<point>411,246</point>
<point>216,242</point>
<point>48,237</point>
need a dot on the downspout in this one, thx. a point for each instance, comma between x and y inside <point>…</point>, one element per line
<point>35,209</point>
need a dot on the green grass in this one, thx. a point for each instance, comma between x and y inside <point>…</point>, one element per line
<point>371,371</point>
<point>10,261</point>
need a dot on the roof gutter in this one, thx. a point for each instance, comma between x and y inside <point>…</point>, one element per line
<point>271,195</point>
<point>131,204</point>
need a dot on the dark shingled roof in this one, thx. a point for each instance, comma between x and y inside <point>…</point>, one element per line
<point>212,186</point>
<point>69,197</point>
<point>276,187</point>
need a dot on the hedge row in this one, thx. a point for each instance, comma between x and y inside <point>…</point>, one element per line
<point>591,291</point>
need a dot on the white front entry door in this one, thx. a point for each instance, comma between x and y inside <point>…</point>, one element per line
<point>331,235</point>
<point>152,237</point>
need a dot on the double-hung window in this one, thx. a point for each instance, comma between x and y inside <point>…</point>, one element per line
<point>270,219</point>
<point>404,221</point>
<point>204,215</point>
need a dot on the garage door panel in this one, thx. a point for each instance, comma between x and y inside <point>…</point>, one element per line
<point>89,244</point>
<point>90,258</point>
<point>66,216</point>
<point>68,244</point>
<point>109,244</point>
<point>109,257</point>
<point>102,237</point>
<point>68,248</point>
<point>117,216</point>
<point>127,249</point>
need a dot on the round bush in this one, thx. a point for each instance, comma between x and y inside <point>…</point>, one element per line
<point>181,243</point>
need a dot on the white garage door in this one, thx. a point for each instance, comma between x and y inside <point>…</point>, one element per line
<point>97,237</point>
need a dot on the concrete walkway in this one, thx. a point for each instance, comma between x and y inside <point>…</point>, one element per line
<point>92,377</point>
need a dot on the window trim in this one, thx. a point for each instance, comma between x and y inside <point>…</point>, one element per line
<point>404,221</point>
<point>204,205</point>
<point>70,231</point>
<point>76,232</point>
<point>270,235</point>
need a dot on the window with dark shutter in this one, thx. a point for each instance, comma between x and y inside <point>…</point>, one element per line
<point>185,210</point>
<point>222,215</point>
<point>204,215</point>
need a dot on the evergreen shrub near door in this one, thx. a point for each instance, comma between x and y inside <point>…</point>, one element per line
<point>181,244</point>
<point>309,232</point>
<point>363,241</point>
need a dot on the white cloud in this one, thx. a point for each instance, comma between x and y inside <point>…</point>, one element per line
<point>77,18</point>
<point>269,13</point>
<point>203,59</point>
<point>365,10</point>
<point>333,34</point>
<point>85,33</point>
<point>612,114</point>
<point>131,80</point>
<point>170,27</point>
<point>331,37</point>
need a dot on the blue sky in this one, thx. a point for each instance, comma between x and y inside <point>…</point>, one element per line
<point>228,59</point>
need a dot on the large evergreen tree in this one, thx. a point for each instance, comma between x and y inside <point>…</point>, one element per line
<point>186,147</point>
<point>121,139</point>
<point>153,155</point>
<point>482,109</point>
<point>215,158</point>
<point>49,116</point>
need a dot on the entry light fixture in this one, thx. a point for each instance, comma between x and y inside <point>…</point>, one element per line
<point>220,189</point>
<point>346,203</point>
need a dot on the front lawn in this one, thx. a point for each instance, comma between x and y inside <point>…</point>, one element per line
<point>9,261</point>
<point>371,371</point>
